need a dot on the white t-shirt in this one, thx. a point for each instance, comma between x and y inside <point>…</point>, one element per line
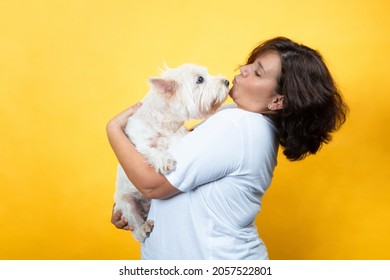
<point>223,169</point>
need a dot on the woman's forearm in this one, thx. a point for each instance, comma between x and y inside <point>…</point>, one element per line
<point>143,176</point>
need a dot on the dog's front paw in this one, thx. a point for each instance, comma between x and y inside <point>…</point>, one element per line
<point>164,163</point>
<point>168,165</point>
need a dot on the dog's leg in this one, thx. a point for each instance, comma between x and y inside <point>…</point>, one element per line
<point>162,161</point>
<point>130,202</point>
<point>133,211</point>
<point>145,206</point>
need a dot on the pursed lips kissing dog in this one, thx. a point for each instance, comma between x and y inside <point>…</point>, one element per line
<point>179,94</point>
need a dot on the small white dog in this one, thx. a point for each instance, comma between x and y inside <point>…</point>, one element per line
<point>179,94</point>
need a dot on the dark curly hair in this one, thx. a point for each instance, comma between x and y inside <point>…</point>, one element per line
<point>313,108</point>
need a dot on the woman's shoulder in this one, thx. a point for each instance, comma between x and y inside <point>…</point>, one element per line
<point>231,122</point>
<point>231,113</point>
<point>227,106</point>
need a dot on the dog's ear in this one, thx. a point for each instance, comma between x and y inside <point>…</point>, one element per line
<point>163,86</point>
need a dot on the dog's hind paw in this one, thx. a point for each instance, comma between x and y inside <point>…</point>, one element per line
<point>143,231</point>
<point>148,227</point>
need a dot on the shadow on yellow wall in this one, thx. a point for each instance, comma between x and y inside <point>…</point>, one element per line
<point>66,67</point>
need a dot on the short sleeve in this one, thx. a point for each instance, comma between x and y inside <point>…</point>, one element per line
<point>212,151</point>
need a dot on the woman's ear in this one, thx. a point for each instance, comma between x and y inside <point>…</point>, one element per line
<point>277,103</point>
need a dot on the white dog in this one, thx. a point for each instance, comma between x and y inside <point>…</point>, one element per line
<point>179,94</point>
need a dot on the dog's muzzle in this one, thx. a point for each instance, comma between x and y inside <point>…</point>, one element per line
<point>226,83</point>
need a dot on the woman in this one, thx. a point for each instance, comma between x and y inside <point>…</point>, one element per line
<point>205,209</point>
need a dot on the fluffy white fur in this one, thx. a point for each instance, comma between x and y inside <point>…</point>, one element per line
<point>179,94</point>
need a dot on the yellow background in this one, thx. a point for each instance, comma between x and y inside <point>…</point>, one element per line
<point>66,67</point>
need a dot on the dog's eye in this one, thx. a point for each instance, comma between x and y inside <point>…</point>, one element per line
<point>200,80</point>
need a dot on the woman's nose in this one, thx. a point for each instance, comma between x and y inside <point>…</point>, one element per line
<point>244,70</point>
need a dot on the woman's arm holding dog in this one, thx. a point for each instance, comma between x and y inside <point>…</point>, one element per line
<point>144,177</point>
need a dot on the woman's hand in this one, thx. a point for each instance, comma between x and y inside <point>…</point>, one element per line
<point>118,221</point>
<point>120,120</point>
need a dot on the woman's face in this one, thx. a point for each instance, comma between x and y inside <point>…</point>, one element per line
<point>254,89</point>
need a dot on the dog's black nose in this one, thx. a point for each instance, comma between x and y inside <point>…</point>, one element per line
<point>226,83</point>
